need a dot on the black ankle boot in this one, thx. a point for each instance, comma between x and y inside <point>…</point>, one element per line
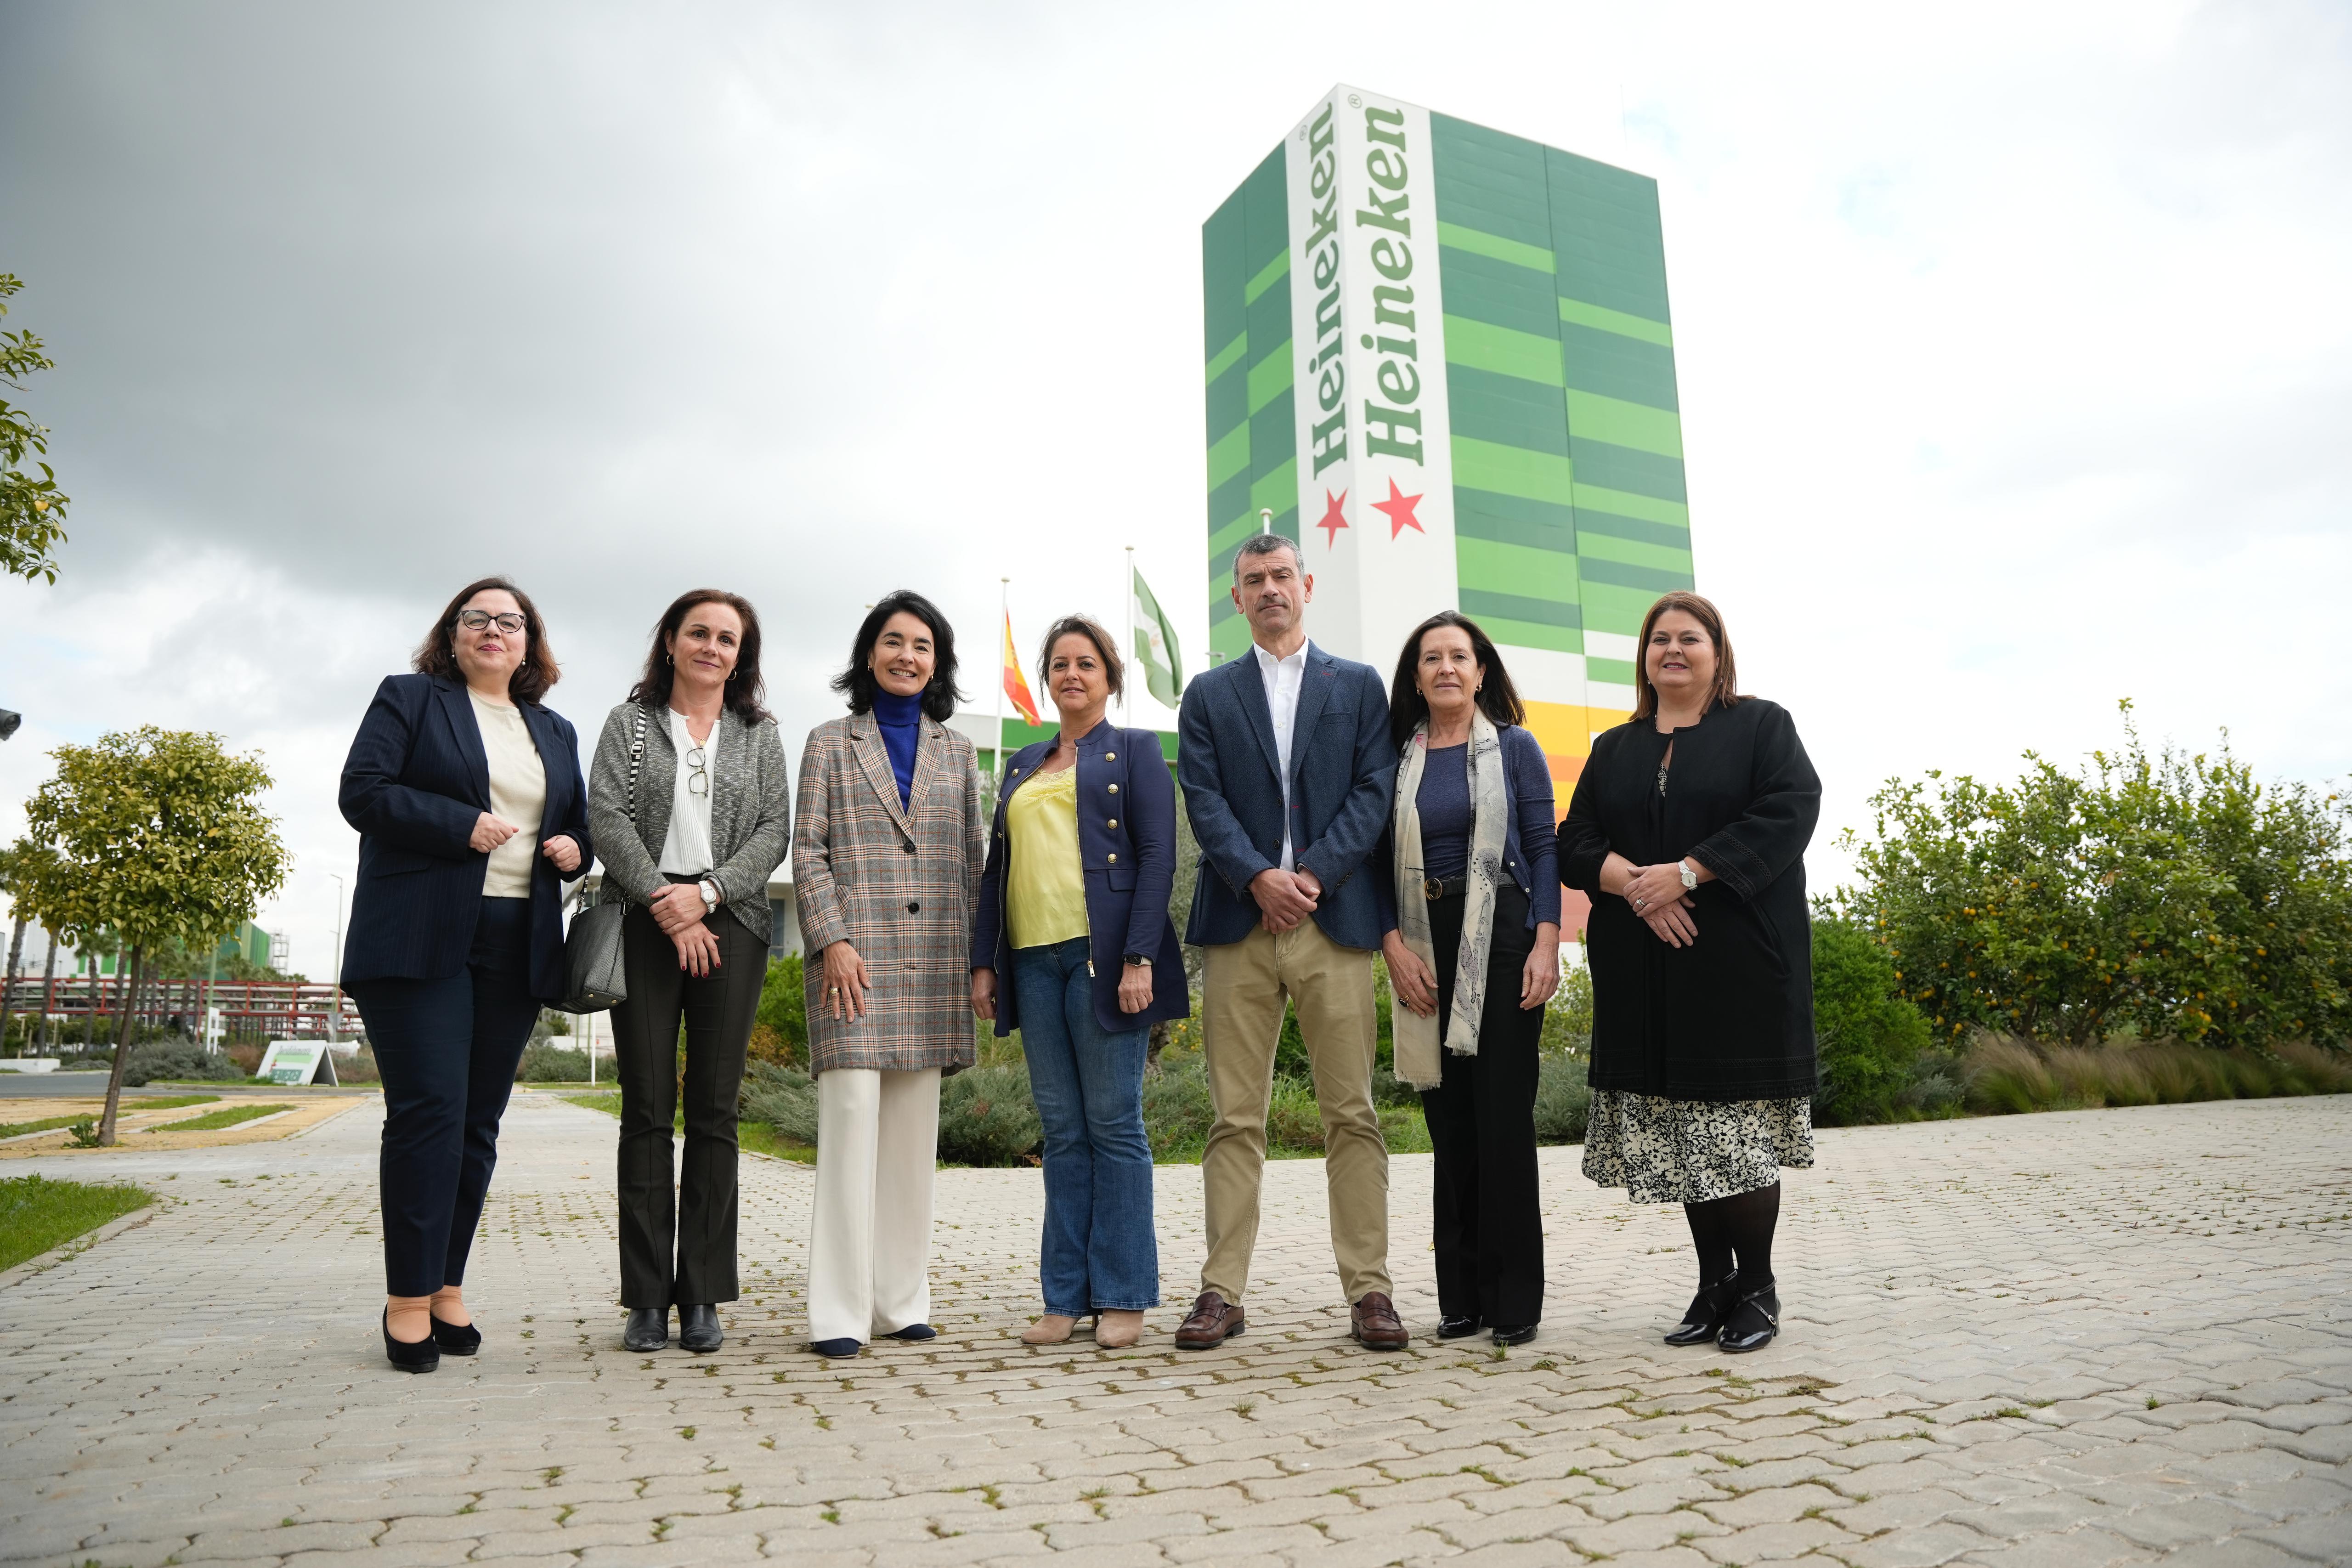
<point>422,1356</point>
<point>1755,1318</point>
<point>1703,1319</point>
<point>698,1328</point>
<point>648,1329</point>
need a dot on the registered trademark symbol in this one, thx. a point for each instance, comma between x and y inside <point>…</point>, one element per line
<point>1355,101</point>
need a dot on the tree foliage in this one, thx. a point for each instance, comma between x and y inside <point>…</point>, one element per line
<point>155,838</point>
<point>2166,895</point>
<point>32,511</point>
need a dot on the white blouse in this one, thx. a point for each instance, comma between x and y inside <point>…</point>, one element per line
<point>686,849</point>
<point>517,794</point>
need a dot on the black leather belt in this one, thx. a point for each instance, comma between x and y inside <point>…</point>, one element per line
<point>1436,888</point>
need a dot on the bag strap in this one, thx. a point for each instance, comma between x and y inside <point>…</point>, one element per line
<point>637,760</point>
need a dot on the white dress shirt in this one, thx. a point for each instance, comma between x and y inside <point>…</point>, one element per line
<point>1283,678</point>
<point>686,847</point>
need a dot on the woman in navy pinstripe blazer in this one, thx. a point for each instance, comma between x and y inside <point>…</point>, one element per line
<point>467,798</point>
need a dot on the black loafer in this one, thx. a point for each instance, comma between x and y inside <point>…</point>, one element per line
<point>422,1356</point>
<point>648,1329</point>
<point>834,1350</point>
<point>457,1338</point>
<point>698,1331</point>
<point>1754,1320</point>
<point>1514,1334</point>
<point>915,1332</point>
<point>1703,1319</point>
<point>1458,1328</point>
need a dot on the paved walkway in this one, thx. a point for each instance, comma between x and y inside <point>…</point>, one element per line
<point>2111,1336</point>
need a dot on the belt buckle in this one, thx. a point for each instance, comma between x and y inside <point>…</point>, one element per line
<point>1432,888</point>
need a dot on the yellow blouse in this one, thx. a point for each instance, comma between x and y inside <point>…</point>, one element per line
<point>1045,894</point>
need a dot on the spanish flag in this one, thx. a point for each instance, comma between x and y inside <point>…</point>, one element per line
<point>1016,686</point>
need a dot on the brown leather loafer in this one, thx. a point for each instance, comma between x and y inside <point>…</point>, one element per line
<point>1212,1322</point>
<point>1375,1325</point>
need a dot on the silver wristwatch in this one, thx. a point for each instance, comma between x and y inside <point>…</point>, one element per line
<point>1690,878</point>
<point>709,891</point>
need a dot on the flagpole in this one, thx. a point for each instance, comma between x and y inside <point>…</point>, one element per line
<point>1004,625</point>
<point>1126,703</point>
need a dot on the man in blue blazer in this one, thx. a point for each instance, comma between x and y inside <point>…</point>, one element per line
<point>1287,767</point>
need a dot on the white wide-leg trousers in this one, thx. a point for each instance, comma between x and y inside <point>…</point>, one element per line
<point>869,1253</point>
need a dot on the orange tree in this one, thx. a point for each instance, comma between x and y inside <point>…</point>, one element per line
<point>155,837</point>
<point>2164,895</point>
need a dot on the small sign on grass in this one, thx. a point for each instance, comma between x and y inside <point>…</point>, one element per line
<point>298,1061</point>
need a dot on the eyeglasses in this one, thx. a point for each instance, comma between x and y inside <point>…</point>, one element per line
<point>475,620</point>
<point>697,779</point>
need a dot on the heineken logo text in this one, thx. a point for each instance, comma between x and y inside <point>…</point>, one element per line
<point>1322,249</point>
<point>1398,375</point>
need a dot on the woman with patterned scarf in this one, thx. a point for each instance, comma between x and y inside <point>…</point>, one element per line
<point>1473,955</point>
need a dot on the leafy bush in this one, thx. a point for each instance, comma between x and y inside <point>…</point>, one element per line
<point>2168,896</point>
<point>1177,1112</point>
<point>545,1062</point>
<point>779,1027</point>
<point>783,1097</point>
<point>1563,1101</point>
<point>987,1118</point>
<point>1568,1016</point>
<point>175,1059</point>
<point>1868,1037</point>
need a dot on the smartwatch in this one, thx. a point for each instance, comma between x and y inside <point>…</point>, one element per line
<point>1139,959</point>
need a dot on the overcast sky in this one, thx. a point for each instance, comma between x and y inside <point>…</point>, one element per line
<point>2014,343</point>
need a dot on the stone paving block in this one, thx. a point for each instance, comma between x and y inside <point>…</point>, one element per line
<point>2240,1551</point>
<point>1761,1543</point>
<point>1925,1547</point>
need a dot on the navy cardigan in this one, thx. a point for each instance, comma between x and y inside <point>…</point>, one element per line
<point>416,782</point>
<point>1530,851</point>
<point>1127,838</point>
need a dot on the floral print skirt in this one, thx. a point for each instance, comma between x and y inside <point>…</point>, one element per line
<point>1693,1150</point>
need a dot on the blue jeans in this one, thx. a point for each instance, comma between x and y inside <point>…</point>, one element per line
<point>1099,1252</point>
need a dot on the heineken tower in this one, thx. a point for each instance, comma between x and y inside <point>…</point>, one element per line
<point>1440,356</point>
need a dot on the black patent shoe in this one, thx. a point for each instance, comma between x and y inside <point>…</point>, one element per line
<point>1514,1334</point>
<point>648,1329</point>
<point>697,1329</point>
<point>1703,1319</point>
<point>1754,1320</point>
<point>422,1356</point>
<point>1458,1328</point>
<point>913,1333</point>
<point>457,1338</point>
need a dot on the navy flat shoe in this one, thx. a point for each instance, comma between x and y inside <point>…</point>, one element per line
<point>835,1349</point>
<point>423,1355</point>
<point>457,1338</point>
<point>913,1331</point>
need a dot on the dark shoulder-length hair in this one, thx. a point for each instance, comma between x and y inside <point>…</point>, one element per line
<point>1497,697</point>
<point>856,682</point>
<point>1087,626</point>
<point>437,654</point>
<point>744,688</point>
<point>1726,689</point>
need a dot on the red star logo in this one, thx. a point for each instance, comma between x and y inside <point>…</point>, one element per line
<point>1334,518</point>
<point>1400,509</point>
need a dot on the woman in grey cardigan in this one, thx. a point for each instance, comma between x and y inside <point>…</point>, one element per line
<point>692,798</point>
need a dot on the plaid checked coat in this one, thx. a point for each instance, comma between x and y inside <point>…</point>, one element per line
<point>899,886</point>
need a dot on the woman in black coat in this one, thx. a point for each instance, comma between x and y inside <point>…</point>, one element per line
<point>1688,827</point>
<point>467,796</point>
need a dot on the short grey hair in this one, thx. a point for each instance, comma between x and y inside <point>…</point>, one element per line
<point>1266,544</point>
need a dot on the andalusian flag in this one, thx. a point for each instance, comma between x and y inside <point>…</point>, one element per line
<point>1016,686</point>
<point>1155,644</point>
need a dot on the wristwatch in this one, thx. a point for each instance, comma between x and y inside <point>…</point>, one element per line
<point>1138,960</point>
<point>710,893</point>
<point>1690,878</point>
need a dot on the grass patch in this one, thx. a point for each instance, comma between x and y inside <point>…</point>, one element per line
<point>226,1116</point>
<point>2008,1075</point>
<point>51,1124</point>
<point>38,1214</point>
<point>757,1137</point>
<point>607,1101</point>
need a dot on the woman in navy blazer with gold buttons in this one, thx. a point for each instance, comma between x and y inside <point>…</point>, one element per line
<point>467,795</point>
<point>1072,945</point>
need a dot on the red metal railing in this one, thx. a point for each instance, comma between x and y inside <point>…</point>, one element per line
<point>84,1007</point>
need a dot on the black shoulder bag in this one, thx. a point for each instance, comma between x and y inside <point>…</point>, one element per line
<point>595,975</point>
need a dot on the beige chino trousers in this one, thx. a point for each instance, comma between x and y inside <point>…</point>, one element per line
<point>1243,987</point>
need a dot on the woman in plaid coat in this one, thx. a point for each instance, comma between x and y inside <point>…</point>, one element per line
<point>886,857</point>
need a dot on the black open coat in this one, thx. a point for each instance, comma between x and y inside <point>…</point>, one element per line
<point>1731,1016</point>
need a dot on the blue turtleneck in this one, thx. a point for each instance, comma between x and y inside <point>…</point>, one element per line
<point>901,722</point>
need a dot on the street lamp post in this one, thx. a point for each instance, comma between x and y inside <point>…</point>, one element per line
<point>335,1005</point>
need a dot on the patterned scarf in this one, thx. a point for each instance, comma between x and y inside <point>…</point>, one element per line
<point>1417,1061</point>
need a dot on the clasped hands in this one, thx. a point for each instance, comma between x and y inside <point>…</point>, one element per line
<point>1285,897</point>
<point>1656,896</point>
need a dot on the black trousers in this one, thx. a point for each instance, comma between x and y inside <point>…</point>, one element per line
<point>1489,1213</point>
<point>448,1050</point>
<point>680,1248</point>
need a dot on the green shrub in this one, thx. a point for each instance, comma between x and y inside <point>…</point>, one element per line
<point>1177,1112</point>
<point>1568,1016</point>
<point>545,1062</point>
<point>172,1058</point>
<point>779,1027</point>
<point>2007,1075</point>
<point>783,1097</point>
<point>1563,1101</point>
<point>1867,1036</point>
<point>987,1117</point>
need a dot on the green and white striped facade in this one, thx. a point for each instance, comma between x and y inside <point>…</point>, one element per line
<point>1441,357</point>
